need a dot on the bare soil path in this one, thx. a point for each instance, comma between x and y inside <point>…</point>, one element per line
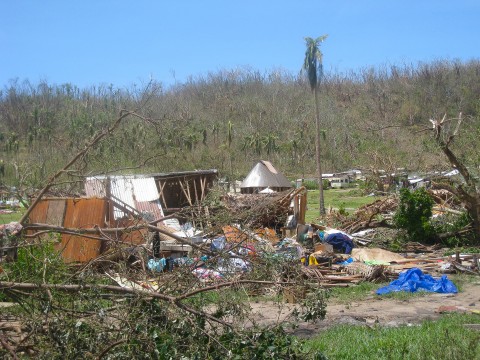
<point>381,310</point>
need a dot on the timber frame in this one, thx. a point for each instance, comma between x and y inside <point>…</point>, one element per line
<point>179,189</point>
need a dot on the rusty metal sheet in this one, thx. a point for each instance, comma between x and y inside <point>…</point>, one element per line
<point>151,210</point>
<point>135,237</point>
<point>82,213</point>
<point>39,216</point>
<point>39,212</point>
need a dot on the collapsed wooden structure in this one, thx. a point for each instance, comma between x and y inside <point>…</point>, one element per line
<point>128,202</point>
<point>179,189</point>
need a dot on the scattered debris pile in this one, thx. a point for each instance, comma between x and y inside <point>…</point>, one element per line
<point>225,241</point>
<point>366,216</point>
<point>260,210</point>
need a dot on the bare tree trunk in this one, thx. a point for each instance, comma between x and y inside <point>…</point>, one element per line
<point>468,192</point>
<point>317,153</point>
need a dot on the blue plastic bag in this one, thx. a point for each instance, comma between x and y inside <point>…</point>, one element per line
<point>414,280</point>
<point>218,243</point>
<point>157,264</point>
<point>346,262</point>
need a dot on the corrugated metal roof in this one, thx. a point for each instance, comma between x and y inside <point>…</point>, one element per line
<point>138,192</point>
<point>95,187</point>
<point>265,175</point>
<point>186,173</point>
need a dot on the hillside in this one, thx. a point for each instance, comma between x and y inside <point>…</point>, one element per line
<point>376,118</point>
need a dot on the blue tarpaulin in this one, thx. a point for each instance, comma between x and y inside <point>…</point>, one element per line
<point>414,280</point>
<point>340,242</point>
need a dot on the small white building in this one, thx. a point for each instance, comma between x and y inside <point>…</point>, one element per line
<point>340,181</point>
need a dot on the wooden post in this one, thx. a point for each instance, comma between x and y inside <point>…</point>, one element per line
<point>196,192</point>
<point>162,186</point>
<point>203,182</point>
<point>185,192</point>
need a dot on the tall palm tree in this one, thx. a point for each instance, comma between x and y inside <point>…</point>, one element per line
<point>314,69</point>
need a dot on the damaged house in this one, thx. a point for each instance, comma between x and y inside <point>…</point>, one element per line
<point>120,201</point>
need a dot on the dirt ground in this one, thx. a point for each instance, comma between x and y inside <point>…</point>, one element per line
<point>377,310</point>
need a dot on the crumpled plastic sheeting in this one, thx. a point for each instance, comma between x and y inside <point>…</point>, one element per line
<point>203,273</point>
<point>414,280</point>
<point>340,242</point>
<point>218,244</point>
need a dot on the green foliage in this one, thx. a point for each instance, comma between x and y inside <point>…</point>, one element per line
<point>192,125</point>
<point>414,217</point>
<point>313,60</point>
<point>357,192</point>
<point>414,213</point>
<point>313,184</point>
<point>462,250</point>
<point>342,209</point>
<point>38,263</point>
<point>315,305</point>
<point>310,184</point>
<point>368,186</point>
<point>272,343</point>
<point>452,223</point>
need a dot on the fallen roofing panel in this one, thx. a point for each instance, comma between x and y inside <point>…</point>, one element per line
<point>136,191</point>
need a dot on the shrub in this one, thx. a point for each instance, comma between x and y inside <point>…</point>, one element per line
<point>313,184</point>
<point>414,213</point>
<point>310,184</point>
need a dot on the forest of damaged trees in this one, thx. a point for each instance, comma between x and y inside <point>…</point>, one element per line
<point>371,119</point>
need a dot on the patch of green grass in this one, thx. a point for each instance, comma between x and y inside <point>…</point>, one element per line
<point>460,280</point>
<point>446,338</point>
<point>335,198</point>
<point>342,295</point>
<point>462,250</point>
<point>217,297</point>
<point>365,289</point>
<point>8,218</point>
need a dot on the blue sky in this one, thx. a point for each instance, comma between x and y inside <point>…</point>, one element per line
<point>119,42</point>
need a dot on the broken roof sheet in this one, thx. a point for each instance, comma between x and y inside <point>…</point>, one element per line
<point>265,175</point>
<point>137,191</point>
